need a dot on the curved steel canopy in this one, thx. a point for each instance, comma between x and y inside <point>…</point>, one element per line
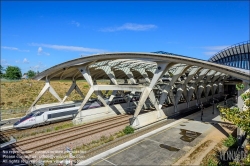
<point>133,61</point>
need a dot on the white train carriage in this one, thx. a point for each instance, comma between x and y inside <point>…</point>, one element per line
<point>63,112</point>
<point>49,115</point>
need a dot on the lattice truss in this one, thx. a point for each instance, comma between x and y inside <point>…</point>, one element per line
<point>159,81</point>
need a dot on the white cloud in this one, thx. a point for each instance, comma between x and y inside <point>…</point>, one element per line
<point>4,62</point>
<point>216,48</point>
<point>41,52</point>
<point>75,23</point>
<point>212,50</point>
<point>39,67</point>
<point>13,48</point>
<point>210,53</point>
<point>68,48</point>
<point>25,60</point>
<point>131,27</point>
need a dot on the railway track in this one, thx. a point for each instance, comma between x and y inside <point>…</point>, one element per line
<point>12,132</point>
<point>57,133</point>
<point>9,131</point>
<point>26,153</point>
<point>74,137</point>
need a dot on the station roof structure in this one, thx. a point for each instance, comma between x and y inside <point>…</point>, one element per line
<point>135,61</point>
<point>237,55</point>
<point>236,49</point>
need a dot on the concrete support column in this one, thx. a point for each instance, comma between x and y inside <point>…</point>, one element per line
<point>189,90</point>
<point>221,88</point>
<point>90,92</point>
<point>215,79</point>
<point>46,87</point>
<point>72,87</point>
<point>164,95</point>
<point>200,89</point>
<point>129,74</point>
<point>129,97</point>
<point>207,82</point>
<point>86,74</point>
<point>109,72</point>
<point>100,98</point>
<point>143,73</point>
<point>177,96</point>
<point>161,70</point>
<point>112,96</point>
<point>207,90</point>
<point>214,88</point>
<point>168,89</point>
<point>156,105</point>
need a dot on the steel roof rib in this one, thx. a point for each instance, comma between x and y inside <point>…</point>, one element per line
<point>236,55</point>
<point>242,49</point>
<point>148,61</point>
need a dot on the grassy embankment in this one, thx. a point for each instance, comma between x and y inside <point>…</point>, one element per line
<point>17,96</point>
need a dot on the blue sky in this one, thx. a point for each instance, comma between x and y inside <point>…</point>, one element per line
<point>39,35</point>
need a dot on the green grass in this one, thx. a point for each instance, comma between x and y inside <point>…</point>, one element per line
<point>18,95</point>
<point>47,129</point>
<point>128,130</point>
<point>230,141</point>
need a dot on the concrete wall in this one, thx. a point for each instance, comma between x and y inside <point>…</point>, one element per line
<point>147,118</point>
<point>142,119</point>
<point>99,113</point>
<point>151,117</point>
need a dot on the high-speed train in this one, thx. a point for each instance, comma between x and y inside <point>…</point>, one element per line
<point>63,112</point>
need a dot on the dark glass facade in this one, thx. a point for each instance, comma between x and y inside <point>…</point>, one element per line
<point>237,55</point>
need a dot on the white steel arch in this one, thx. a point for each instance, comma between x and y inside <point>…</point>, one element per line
<point>163,73</point>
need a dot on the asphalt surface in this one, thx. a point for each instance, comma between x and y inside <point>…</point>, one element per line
<point>167,146</point>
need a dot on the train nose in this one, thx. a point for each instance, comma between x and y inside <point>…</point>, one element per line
<point>16,123</point>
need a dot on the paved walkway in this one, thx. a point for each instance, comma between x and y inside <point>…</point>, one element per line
<point>164,146</point>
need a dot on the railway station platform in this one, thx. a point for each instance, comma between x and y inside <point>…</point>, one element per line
<point>163,146</point>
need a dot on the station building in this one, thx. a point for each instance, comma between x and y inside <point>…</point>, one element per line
<point>237,55</point>
<point>168,83</point>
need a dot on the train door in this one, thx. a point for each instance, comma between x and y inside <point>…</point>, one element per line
<point>45,117</point>
<point>39,117</point>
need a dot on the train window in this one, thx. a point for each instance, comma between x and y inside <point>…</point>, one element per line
<point>39,113</point>
<point>99,103</point>
<point>86,107</point>
<point>66,113</point>
<point>26,117</point>
<point>62,107</point>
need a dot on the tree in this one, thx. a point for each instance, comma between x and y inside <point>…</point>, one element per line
<point>241,118</point>
<point>13,72</point>
<point>31,73</point>
<point>1,71</point>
